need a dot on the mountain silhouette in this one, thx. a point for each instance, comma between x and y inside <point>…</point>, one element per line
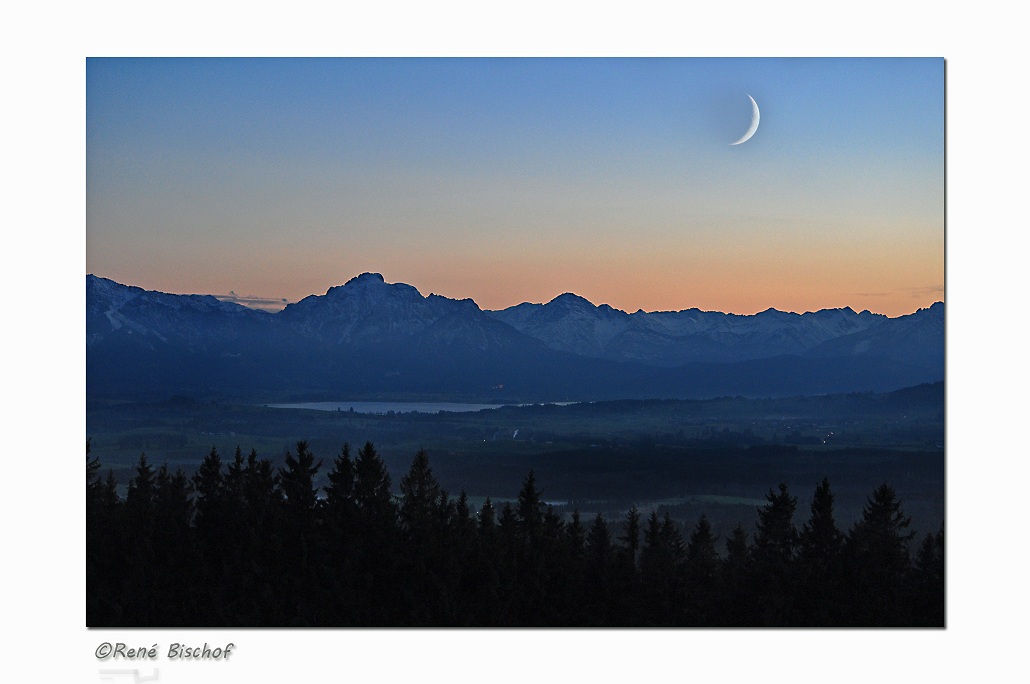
<point>369,337</point>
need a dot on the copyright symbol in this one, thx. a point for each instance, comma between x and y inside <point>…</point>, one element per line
<point>104,650</point>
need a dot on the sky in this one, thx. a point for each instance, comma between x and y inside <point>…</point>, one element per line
<point>513,180</point>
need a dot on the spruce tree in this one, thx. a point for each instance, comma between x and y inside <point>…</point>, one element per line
<point>462,562</point>
<point>661,571</point>
<point>297,480</point>
<point>576,534</point>
<point>172,502</point>
<point>174,568</point>
<point>210,505</point>
<point>881,536</point>
<point>105,551</point>
<point>235,486</point>
<point>701,553</point>
<point>94,485</point>
<point>702,564</point>
<point>139,499</point>
<point>462,522</point>
<point>651,553</point>
<point>776,537</point>
<point>261,487</point>
<point>529,511</point>
<point>631,537</point>
<point>879,563</point>
<point>735,589</point>
<point>420,509</point>
<point>820,541</point>
<point>599,608</point>
<point>140,582</point>
<point>261,546</point>
<point>818,586</point>
<point>928,581</point>
<point>301,545</point>
<point>483,575</point>
<point>508,548</point>
<point>340,531</point>
<point>487,519</point>
<point>376,550</point>
<point>773,555</point>
<point>339,493</point>
<point>372,494</point>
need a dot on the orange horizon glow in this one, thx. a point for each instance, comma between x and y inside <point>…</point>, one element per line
<point>654,294</point>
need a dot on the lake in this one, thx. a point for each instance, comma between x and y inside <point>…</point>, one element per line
<point>383,407</point>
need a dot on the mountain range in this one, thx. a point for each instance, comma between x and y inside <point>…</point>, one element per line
<point>369,338</point>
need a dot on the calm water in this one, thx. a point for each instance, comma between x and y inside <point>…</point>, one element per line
<point>386,406</point>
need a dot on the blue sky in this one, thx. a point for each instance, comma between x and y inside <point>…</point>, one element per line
<point>510,180</point>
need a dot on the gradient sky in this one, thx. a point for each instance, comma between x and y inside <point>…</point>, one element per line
<point>511,180</point>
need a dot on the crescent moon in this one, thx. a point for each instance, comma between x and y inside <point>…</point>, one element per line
<point>754,123</point>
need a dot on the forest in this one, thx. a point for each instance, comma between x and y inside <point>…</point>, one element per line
<point>243,543</point>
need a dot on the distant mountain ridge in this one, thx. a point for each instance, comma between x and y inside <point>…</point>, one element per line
<point>671,338</point>
<point>372,337</point>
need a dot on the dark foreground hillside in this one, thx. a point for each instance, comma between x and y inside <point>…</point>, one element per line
<point>243,544</point>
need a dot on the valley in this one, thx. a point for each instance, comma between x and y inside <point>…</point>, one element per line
<point>714,456</point>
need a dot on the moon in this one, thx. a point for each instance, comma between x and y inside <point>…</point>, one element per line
<point>754,123</point>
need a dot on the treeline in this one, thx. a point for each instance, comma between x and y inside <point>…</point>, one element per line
<point>246,544</point>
